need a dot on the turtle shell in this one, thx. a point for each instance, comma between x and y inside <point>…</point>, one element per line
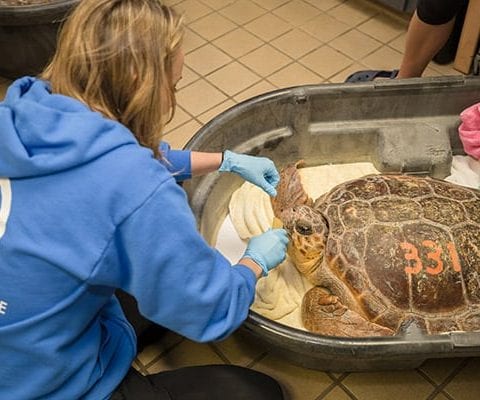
<point>408,248</point>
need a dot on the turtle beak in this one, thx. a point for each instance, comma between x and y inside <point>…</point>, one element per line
<point>277,223</point>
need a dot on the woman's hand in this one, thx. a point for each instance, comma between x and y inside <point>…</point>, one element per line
<point>260,171</point>
<point>267,250</point>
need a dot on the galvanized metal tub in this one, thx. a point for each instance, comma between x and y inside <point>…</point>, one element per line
<point>400,126</point>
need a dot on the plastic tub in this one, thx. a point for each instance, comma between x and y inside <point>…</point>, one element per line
<point>400,126</point>
<point>28,36</point>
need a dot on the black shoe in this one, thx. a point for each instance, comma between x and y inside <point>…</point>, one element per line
<point>370,75</point>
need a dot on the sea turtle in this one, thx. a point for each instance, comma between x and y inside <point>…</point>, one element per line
<point>385,253</point>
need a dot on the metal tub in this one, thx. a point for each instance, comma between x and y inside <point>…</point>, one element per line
<point>400,126</point>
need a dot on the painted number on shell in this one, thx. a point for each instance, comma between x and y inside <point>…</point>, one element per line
<point>434,252</point>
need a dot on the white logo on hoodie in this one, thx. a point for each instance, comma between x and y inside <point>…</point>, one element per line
<point>5,203</point>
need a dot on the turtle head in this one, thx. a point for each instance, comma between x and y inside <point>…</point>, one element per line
<point>308,231</point>
<point>307,228</point>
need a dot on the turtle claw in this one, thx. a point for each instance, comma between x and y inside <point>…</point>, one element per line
<point>323,313</point>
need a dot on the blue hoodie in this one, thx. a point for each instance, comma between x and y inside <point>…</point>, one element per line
<point>84,209</point>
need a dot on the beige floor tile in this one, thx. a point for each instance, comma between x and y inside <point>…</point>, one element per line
<point>355,44</point>
<point>430,72</point>
<point>267,27</point>
<point>439,369</point>
<point>206,59</point>
<point>440,396</point>
<point>300,383</point>
<point>353,12</point>
<point>4,84</point>
<point>215,111</point>
<point>399,43</point>
<point>383,58</point>
<point>179,118</point>
<point>238,42</point>
<point>242,11</point>
<point>296,43</point>
<point>383,28</point>
<point>271,4</point>
<point>257,89</point>
<point>192,41</point>
<point>212,26</point>
<point>180,136</point>
<point>172,2</point>
<point>165,343</point>
<point>188,77</point>
<point>199,97</point>
<point>326,61</point>
<point>337,394</point>
<point>344,74</point>
<point>193,10</point>
<point>466,385</point>
<point>444,69</point>
<point>218,4</point>
<point>394,385</point>
<point>233,78</point>
<point>186,354</point>
<point>325,28</point>
<point>265,60</point>
<point>139,367</point>
<point>241,349</point>
<point>325,5</point>
<point>296,12</point>
<point>294,75</point>
<point>338,375</point>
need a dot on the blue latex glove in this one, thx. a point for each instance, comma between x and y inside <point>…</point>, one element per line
<point>260,171</point>
<point>268,249</point>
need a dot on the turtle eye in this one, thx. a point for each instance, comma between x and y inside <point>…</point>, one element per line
<point>303,228</point>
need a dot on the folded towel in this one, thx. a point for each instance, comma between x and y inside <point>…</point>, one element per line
<point>469,130</point>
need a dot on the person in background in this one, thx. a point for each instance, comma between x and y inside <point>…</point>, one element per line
<point>90,204</point>
<point>429,30</point>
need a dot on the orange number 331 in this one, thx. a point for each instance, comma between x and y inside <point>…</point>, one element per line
<point>411,254</point>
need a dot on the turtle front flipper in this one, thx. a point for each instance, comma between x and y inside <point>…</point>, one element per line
<point>290,191</point>
<point>323,313</point>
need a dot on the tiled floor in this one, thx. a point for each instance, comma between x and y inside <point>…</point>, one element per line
<point>238,49</point>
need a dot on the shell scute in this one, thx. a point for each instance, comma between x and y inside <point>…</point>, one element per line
<point>405,187</point>
<point>471,208</point>
<point>353,247</point>
<point>452,191</point>
<point>355,214</point>
<point>356,281</point>
<point>442,210</point>
<point>443,325</point>
<point>467,244</point>
<point>382,264</point>
<point>394,209</point>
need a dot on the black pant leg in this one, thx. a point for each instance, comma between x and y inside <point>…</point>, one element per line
<point>217,382</point>
<point>438,12</point>
<point>135,386</point>
<point>209,382</point>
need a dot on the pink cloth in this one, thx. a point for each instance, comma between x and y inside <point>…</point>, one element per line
<point>469,130</point>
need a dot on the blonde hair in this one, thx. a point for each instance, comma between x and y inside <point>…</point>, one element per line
<point>116,56</point>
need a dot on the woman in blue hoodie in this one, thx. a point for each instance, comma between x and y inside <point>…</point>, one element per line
<point>89,203</point>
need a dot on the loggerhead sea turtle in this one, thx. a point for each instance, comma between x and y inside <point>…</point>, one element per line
<point>385,253</point>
